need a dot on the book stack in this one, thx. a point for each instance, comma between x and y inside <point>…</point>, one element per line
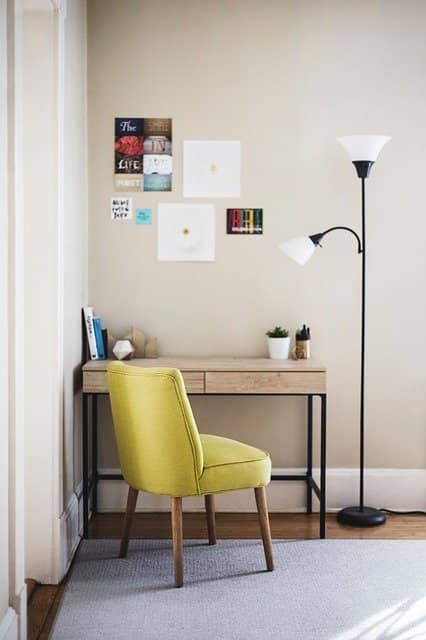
<point>97,338</point>
<point>244,221</point>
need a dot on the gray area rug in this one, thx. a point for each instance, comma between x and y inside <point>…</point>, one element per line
<point>320,590</point>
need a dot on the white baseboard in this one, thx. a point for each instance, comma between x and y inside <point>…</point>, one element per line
<point>9,625</point>
<point>399,489</point>
<point>19,604</point>
<point>69,532</point>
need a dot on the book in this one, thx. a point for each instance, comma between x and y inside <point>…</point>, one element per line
<point>97,326</point>
<point>90,332</point>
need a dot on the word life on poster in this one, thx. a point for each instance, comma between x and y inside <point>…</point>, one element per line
<point>143,154</point>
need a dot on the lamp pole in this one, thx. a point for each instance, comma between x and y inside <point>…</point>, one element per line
<point>362,516</point>
<point>362,390</point>
<point>359,516</point>
<point>301,249</point>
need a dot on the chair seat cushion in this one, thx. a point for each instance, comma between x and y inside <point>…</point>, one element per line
<point>230,465</point>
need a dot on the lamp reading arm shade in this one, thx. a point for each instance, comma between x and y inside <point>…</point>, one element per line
<point>299,249</point>
<point>302,248</point>
<point>363,151</point>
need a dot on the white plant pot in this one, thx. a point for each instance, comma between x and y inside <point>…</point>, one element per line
<point>279,348</point>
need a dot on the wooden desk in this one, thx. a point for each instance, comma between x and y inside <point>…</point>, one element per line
<point>219,376</point>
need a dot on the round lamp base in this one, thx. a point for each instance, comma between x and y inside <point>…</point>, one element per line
<point>354,517</point>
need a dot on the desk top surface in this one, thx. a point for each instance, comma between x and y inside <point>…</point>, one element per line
<point>206,363</point>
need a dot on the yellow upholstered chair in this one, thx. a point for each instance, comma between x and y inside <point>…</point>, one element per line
<point>162,452</point>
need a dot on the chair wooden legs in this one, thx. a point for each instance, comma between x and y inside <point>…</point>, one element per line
<point>262,510</point>
<point>177,534</point>
<point>211,519</point>
<point>130,509</point>
<point>177,528</point>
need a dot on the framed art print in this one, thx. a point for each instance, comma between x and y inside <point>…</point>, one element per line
<point>211,169</point>
<point>186,232</point>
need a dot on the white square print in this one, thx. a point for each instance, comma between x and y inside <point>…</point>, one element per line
<point>211,168</point>
<point>186,232</point>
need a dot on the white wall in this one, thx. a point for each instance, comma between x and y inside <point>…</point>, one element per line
<point>56,280</point>
<point>12,586</point>
<point>75,278</point>
<point>4,410</point>
<point>75,234</point>
<point>286,78</point>
<point>41,286</point>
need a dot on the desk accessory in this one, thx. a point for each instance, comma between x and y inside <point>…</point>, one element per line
<point>363,151</point>
<point>143,348</point>
<point>302,348</point>
<point>278,343</point>
<point>123,350</point>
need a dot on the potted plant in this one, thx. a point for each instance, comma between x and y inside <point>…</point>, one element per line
<point>278,343</point>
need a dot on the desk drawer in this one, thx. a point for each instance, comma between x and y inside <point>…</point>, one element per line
<point>194,381</point>
<point>95,381</point>
<point>265,382</point>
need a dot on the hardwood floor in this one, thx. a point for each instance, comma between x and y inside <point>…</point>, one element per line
<point>45,599</point>
<point>245,525</point>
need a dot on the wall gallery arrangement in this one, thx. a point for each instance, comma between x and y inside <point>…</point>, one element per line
<point>143,154</point>
<point>211,169</point>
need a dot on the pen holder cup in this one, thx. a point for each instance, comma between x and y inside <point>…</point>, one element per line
<point>303,349</point>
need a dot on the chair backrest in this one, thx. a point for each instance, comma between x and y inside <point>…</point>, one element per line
<point>158,442</point>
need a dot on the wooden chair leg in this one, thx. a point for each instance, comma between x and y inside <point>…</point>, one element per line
<point>177,533</point>
<point>262,510</point>
<point>132,497</point>
<point>211,519</point>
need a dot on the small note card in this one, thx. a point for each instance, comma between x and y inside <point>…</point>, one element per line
<point>121,208</point>
<point>143,216</point>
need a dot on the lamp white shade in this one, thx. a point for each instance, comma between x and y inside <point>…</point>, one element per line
<point>298,249</point>
<point>365,148</point>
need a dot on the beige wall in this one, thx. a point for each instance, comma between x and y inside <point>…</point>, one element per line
<point>286,78</point>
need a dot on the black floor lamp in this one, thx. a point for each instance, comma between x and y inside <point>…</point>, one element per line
<point>363,151</point>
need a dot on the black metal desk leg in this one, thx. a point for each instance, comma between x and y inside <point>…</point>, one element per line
<point>94,452</point>
<point>85,444</point>
<point>309,458</point>
<point>323,465</point>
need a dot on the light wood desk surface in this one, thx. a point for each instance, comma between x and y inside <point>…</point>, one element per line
<point>213,375</point>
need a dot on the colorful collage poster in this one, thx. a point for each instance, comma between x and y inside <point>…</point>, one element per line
<point>143,154</point>
<point>244,221</point>
<point>128,156</point>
